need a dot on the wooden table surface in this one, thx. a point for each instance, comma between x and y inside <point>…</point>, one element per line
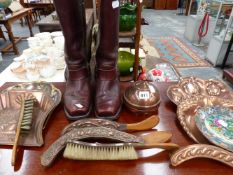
<point>155,161</point>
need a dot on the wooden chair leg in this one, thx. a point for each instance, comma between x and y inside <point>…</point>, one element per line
<point>35,16</point>
<point>2,34</point>
<point>21,22</point>
<point>26,23</point>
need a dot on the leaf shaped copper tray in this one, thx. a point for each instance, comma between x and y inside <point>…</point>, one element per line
<point>47,97</point>
<point>190,94</point>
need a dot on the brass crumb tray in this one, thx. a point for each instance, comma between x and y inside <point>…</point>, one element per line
<point>47,96</point>
<point>190,94</point>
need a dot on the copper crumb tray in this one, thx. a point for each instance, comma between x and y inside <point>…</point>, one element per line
<point>186,112</point>
<point>190,94</point>
<point>47,96</point>
<point>191,87</point>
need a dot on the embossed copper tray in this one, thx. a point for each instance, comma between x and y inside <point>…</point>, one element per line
<point>191,87</point>
<point>47,97</point>
<point>190,94</point>
<point>216,124</point>
<point>186,112</point>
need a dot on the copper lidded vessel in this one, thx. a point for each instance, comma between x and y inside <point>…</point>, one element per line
<point>142,97</point>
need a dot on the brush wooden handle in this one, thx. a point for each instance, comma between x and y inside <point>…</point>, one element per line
<point>17,134</point>
<point>156,137</point>
<point>166,146</point>
<point>146,124</point>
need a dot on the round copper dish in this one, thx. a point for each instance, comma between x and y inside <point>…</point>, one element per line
<point>142,97</point>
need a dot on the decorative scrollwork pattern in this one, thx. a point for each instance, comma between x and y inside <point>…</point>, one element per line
<point>90,123</point>
<point>190,87</point>
<point>202,151</point>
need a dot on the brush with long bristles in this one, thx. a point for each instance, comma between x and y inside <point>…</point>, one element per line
<point>78,150</point>
<point>122,144</point>
<point>24,121</point>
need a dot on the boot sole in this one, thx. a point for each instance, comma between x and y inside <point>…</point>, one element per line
<point>77,117</point>
<point>115,117</point>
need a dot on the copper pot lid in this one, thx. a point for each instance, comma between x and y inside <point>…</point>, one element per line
<point>142,95</point>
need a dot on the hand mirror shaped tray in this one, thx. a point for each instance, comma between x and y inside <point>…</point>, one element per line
<point>47,98</point>
<point>190,94</point>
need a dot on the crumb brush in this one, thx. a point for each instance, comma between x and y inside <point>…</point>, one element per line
<point>24,122</point>
<point>146,124</point>
<point>69,140</point>
<point>78,150</point>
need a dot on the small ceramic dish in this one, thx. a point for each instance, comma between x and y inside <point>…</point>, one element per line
<point>19,59</point>
<point>56,34</point>
<point>18,69</point>
<point>163,72</point>
<point>43,35</point>
<point>216,124</point>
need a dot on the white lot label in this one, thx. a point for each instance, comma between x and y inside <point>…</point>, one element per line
<point>115,4</point>
<point>79,105</point>
<point>144,95</point>
<point>131,69</point>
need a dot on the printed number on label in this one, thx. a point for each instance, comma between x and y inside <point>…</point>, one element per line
<point>144,95</point>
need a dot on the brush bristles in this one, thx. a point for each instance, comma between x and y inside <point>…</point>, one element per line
<point>27,115</point>
<point>85,152</point>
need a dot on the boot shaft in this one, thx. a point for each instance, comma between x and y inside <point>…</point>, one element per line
<point>107,52</point>
<point>72,19</point>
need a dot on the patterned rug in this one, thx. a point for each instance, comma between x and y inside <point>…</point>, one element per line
<point>177,53</point>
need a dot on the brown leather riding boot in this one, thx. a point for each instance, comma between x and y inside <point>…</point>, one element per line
<point>78,91</point>
<point>107,97</point>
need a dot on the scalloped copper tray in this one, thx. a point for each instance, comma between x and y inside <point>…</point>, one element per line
<point>47,96</point>
<point>190,94</point>
<point>191,87</point>
<point>186,112</point>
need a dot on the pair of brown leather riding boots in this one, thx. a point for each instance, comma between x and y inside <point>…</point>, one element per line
<point>78,97</point>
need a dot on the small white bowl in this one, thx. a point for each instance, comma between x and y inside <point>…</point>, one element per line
<point>59,42</point>
<point>19,59</point>
<point>47,71</point>
<point>56,34</point>
<point>33,41</point>
<point>43,35</point>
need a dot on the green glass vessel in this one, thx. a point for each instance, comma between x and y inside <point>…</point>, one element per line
<point>125,62</point>
<point>5,3</point>
<point>127,17</point>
